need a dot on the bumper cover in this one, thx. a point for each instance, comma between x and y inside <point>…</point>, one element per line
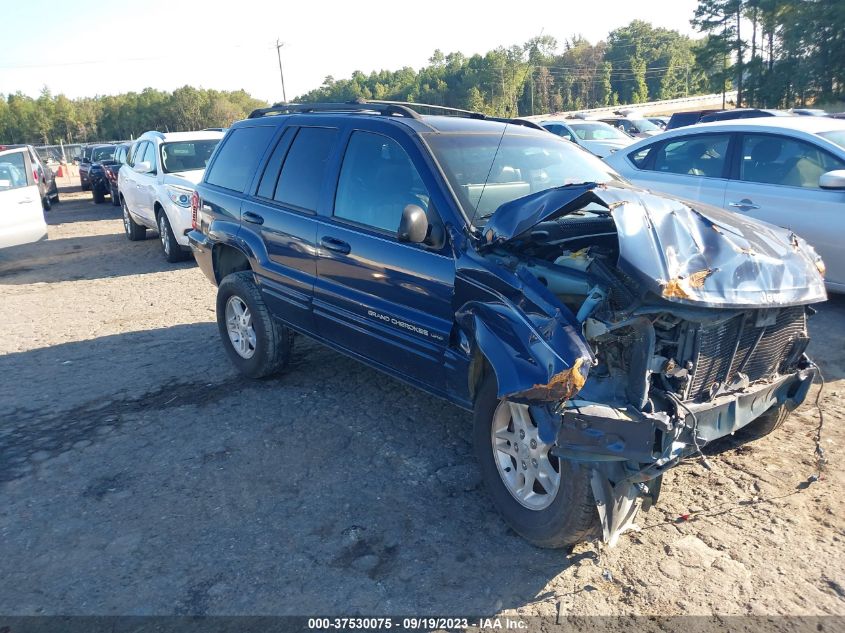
<point>202,248</point>
<point>592,431</point>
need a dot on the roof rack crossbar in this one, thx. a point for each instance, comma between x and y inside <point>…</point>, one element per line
<point>386,108</point>
<point>379,107</point>
<point>410,105</point>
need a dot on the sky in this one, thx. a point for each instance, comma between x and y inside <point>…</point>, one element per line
<point>87,49</point>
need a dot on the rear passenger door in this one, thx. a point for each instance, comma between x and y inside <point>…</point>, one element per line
<point>279,220</point>
<point>387,301</point>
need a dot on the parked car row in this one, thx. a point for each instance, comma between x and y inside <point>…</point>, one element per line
<point>598,332</point>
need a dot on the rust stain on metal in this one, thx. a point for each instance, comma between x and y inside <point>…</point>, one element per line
<point>562,386</point>
<point>673,290</point>
<point>696,279</point>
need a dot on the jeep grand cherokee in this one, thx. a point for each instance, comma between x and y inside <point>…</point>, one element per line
<point>599,333</point>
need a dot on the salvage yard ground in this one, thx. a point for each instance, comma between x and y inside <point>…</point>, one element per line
<point>140,475</point>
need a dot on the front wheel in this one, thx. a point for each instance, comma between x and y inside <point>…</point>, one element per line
<point>99,196</point>
<point>546,500</point>
<point>257,344</point>
<point>169,246</point>
<point>770,421</point>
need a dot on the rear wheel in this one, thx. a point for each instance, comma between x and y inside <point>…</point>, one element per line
<point>547,500</point>
<point>134,231</point>
<point>115,197</point>
<point>257,344</point>
<point>45,203</point>
<point>99,196</point>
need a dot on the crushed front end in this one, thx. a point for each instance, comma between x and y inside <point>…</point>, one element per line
<point>695,323</point>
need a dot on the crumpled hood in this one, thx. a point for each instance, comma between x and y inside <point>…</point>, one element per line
<point>187,179</point>
<point>684,252</point>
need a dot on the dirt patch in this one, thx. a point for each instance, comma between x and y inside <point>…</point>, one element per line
<point>141,475</point>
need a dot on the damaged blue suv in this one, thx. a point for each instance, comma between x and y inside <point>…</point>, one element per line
<point>599,333</point>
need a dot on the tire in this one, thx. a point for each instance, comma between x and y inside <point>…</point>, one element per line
<point>99,196</point>
<point>169,246</point>
<point>770,421</point>
<point>115,197</point>
<point>46,204</point>
<point>273,342</point>
<point>134,231</point>
<point>569,517</point>
<point>56,198</point>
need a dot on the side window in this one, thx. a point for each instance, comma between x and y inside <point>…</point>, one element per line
<point>150,156</point>
<point>13,171</point>
<point>137,153</point>
<point>640,157</point>
<point>302,173</point>
<point>238,158</point>
<point>121,156</point>
<point>701,155</point>
<point>377,180</point>
<point>564,133</point>
<point>778,160</point>
<point>267,186</point>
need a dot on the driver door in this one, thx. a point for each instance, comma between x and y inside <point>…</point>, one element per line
<point>21,214</point>
<point>386,301</point>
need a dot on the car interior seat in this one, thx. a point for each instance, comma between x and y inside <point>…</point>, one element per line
<point>762,166</point>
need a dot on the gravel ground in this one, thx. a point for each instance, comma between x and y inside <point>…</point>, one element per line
<point>141,475</point>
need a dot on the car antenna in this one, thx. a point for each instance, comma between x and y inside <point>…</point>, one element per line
<point>490,171</point>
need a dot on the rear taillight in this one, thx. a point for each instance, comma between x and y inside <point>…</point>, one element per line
<point>35,174</point>
<point>195,207</point>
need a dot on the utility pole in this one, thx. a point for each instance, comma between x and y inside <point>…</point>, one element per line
<point>281,72</point>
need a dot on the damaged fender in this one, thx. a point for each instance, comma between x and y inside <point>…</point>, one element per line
<point>535,347</point>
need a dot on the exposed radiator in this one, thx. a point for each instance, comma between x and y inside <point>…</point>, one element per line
<point>740,346</point>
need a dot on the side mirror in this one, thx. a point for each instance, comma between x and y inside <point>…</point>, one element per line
<point>84,159</point>
<point>143,167</point>
<point>413,227</point>
<point>833,180</point>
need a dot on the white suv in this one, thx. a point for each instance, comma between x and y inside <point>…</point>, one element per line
<point>156,184</point>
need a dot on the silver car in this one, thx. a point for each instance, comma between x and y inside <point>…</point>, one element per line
<point>596,137</point>
<point>788,171</point>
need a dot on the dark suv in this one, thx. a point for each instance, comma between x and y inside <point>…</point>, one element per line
<point>598,332</point>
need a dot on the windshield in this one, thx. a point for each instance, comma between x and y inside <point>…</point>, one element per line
<point>187,155</point>
<point>644,125</point>
<point>489,170</point>
<point>101,154</point>
<point>597,132</point>
<point>835,136</point>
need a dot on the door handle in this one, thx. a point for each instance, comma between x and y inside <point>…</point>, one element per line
<point>254,218</point>
<point>336,245</point>
<point>744,205</point>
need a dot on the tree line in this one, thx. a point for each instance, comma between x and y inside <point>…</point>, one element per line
<point>636,63</point>
<point>49,119</point>
<point>793,55</point>
<point>774,53</point>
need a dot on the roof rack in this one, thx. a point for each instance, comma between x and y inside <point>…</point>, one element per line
<point>379,107</point>
<point>386,108</point>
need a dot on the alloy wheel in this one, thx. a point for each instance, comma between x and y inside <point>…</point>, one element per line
<point>240,328</point>
<point>529,472</point>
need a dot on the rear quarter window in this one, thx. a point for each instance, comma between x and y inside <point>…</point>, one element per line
<point>239,156</point>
